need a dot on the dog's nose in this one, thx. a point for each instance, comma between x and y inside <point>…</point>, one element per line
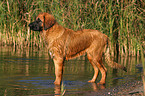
<point>30,25</point>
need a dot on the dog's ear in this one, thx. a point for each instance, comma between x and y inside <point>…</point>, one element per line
<point>49,21</point>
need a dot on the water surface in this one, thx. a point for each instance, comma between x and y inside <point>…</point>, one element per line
<point>31,72</point>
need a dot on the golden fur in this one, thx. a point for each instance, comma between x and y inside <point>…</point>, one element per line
<point>64,44</point>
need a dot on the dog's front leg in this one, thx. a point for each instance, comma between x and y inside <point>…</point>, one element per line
<point>58,62</point>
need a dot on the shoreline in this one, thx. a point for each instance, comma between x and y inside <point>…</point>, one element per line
<point>129,88</point>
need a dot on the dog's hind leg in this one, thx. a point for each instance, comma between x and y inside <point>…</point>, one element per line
<point>96,71</point>
<point>103,71</point>
<point>97,64</point>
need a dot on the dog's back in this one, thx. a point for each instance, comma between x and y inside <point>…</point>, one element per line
<point>82,41</point>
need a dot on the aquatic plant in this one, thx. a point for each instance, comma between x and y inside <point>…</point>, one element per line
<point>121,20</point>
<point>63,90</point>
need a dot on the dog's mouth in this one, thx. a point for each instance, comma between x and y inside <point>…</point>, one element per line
<point>35,27</point>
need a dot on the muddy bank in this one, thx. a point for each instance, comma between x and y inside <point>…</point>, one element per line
<point>130,88</point>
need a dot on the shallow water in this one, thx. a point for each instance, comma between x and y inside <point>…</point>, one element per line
<point>26,72</point>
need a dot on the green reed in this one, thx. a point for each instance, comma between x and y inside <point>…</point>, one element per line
<point>121,21</point>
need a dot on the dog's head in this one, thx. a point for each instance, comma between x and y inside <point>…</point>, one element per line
<point>43,21</point>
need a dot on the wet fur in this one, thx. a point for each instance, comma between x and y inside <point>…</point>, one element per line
<point>64,44</point>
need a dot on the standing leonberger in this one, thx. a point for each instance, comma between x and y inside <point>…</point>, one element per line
<point>64,44</point>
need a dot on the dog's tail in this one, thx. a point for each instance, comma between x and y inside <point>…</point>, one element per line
<point>109,61</point>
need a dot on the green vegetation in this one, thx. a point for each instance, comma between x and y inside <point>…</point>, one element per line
<point>123,21</point>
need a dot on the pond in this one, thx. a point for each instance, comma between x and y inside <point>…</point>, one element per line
<point>30,72</point>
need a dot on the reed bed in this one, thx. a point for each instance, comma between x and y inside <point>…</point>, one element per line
<point>123,21</point>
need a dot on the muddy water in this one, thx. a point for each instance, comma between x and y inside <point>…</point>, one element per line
<point>27,72</point>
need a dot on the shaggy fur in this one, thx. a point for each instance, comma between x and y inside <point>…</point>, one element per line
<point>64,44</point>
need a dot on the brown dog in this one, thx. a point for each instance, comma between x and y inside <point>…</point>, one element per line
<point>65,43</point>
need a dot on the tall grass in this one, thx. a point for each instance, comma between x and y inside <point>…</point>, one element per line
<point>121,20</point>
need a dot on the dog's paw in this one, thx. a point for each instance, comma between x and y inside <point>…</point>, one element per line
<point>91,81</point>
<point>101,83</point>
